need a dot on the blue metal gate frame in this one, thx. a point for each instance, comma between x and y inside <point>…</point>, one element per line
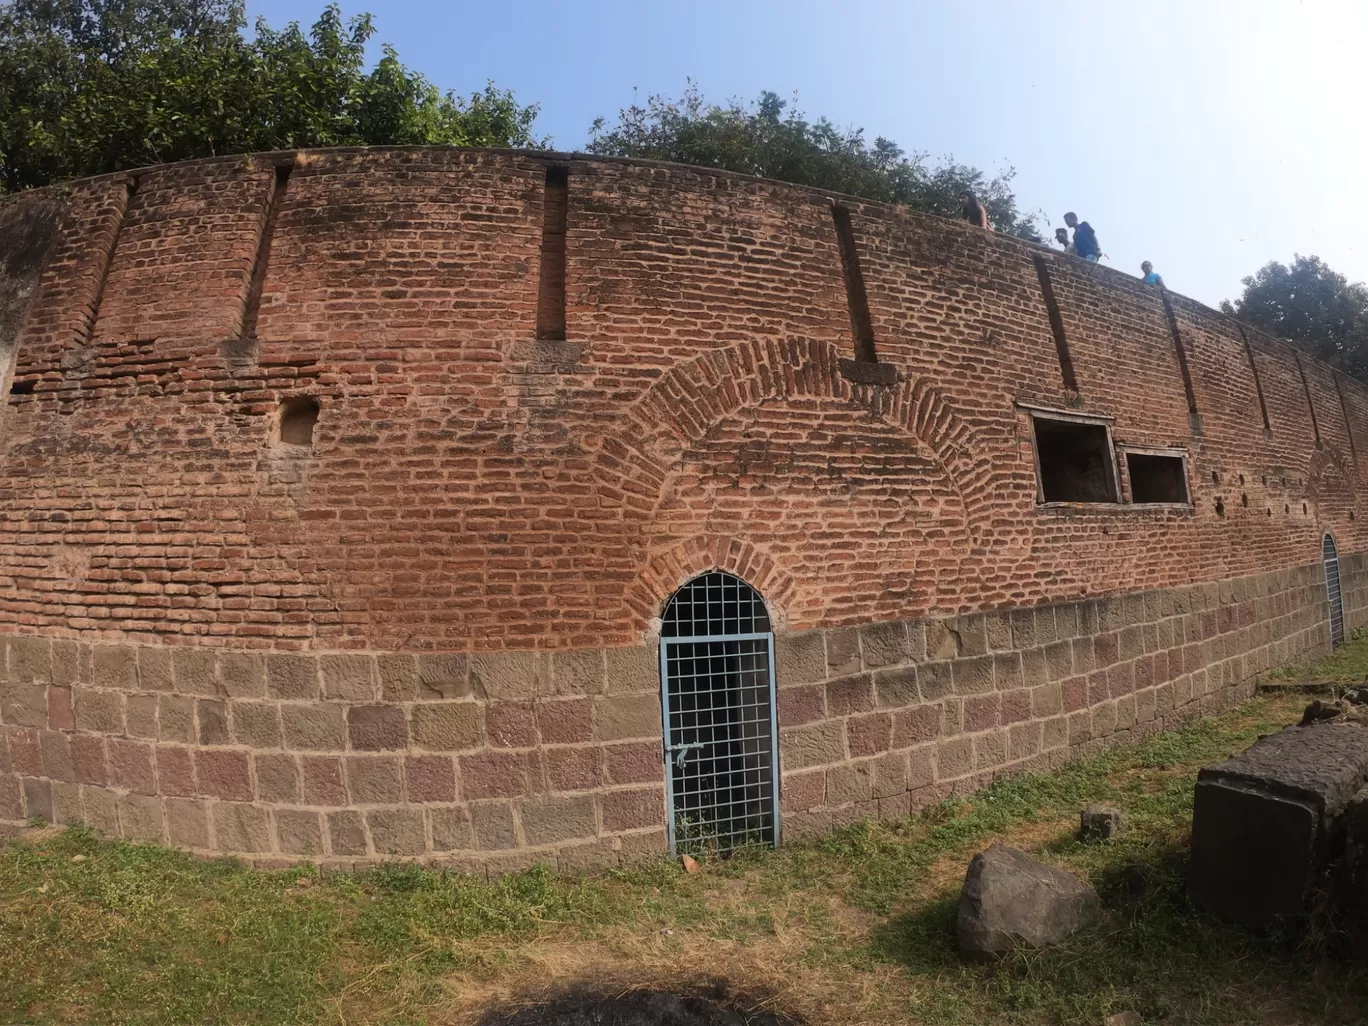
<point>673,751</point>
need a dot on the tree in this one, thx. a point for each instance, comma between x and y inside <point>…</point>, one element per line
<point>89,86</point>
<point>769,139</point>
<point>1311,305</point>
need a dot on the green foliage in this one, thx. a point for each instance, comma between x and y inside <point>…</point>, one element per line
<point>771,139</point>
<point>90,86</point>
<point>1316,308</point>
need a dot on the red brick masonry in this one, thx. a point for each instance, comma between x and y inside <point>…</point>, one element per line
<point>430,632</point>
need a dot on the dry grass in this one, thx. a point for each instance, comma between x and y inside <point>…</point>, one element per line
<point>854,929</point>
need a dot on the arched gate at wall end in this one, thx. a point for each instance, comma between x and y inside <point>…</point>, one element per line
<point>721,726</point>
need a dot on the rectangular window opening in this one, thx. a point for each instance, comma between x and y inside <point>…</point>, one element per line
<point>1157,478</point>
<point>1075,461</point>
<point>551,283</point>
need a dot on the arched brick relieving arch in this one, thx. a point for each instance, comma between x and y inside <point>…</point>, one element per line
<point>671,568</point>
<point>687,400</point>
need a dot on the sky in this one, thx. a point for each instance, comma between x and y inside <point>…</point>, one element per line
<point>1208,136</point>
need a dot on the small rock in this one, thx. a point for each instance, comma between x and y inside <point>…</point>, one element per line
<point>1320,710</point>
<point>43,889</point>
<point>1357,696</point>
<point>1124,1019</point>
<point>1100,823</point>
<point>78,858</point>
<point>667,932</point>
<point>1009,898</point>
<point>690,863</point>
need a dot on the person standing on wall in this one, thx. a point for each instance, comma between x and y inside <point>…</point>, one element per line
<point>1151,278</point>
<point>1062,237</point>
<point>1084,238</point>
<point>974,211</point>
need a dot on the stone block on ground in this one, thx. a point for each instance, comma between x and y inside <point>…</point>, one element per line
<point>1354,872</point>
<point>1010,899</point>
<point>1100,823</point>
<point>1267,822</point>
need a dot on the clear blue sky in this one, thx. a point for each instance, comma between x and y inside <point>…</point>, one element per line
<point>1208,136</point>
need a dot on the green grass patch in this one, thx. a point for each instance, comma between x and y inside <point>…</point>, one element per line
<point>853,928</point>
<point>1345,667</point>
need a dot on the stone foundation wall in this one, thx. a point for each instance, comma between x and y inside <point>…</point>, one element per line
<point>497,761</point>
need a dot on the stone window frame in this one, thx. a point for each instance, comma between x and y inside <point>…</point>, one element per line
<point>1155,450</point>
<point>1034,412</point>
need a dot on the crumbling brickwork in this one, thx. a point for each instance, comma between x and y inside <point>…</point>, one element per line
<point>429,631</point>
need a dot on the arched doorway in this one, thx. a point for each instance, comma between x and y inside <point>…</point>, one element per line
<point>1330,555</point>
<point>721,729</point>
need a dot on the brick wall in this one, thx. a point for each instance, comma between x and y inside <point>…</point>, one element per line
<point>476,493</point>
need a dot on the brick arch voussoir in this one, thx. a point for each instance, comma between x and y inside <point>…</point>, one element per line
<point>687,400</point>
<point>1324,460</point>
<point>670,569</point>
<point>690,398</point>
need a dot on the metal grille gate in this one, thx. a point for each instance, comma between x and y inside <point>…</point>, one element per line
<point>717,676</point>
<point>1332,590</point>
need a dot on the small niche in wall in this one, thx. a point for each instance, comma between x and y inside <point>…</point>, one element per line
<point>23,387</point>
<point>298,415</point>
<point>1156,477</point>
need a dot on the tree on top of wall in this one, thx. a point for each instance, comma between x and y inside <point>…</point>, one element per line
<point>771,139</point>
<point>1314,307</point>
<point>90,86</point>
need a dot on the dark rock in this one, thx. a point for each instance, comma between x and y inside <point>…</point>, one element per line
<point>1342,711</point>
<point>1009,899</point>
<point>1100,823</point>
<point>1265,822</point>
<point>1321,710</point>
<point>1357,696</point>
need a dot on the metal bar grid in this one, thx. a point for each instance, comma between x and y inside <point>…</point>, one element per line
<point>714,605</point>
<point>1332,590</point>
<point>720,722</point>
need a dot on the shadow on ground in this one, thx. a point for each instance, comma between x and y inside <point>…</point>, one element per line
<point>595,1006</point>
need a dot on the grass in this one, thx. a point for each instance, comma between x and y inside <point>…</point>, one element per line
<point>1346,667</point>
<point>854,928</point>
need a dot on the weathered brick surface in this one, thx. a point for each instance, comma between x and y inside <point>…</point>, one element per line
<point>432,630</point>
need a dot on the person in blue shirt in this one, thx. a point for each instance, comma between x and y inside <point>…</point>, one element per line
<point>1085,239</point>
<point>1150,277</point>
